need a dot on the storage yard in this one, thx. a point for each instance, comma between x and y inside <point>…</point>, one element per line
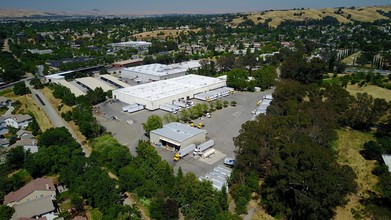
<point>223,125</point>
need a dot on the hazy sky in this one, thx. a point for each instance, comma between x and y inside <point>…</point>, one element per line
<point>180,6</point>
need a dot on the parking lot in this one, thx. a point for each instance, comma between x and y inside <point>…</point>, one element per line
<point>222,127</point>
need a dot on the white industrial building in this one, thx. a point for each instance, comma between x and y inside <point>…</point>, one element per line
<point>177,135</point>
<point>156,71</point>
<point>132,44</point>
<point>154,94</point>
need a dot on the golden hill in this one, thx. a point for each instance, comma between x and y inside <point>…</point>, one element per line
<point>363,14</point>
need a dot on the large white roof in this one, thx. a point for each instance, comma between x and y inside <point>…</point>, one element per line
<point>166,88</point>
<point>158,69</point>
<point>93,83</point>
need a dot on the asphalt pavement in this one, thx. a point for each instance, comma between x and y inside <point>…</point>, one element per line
<point>222,127</point>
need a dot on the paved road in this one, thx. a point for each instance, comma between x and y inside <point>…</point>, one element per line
<point>55,119</point>
<point>249,215</point>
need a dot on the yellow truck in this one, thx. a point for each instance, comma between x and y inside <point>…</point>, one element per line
<point>183,152</point>
<point>200,125</point>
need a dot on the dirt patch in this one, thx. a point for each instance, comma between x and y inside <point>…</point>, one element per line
<point>348,146</point>
<point>375,91</point>
<point>142,209</point>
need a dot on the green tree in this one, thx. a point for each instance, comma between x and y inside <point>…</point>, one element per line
<point>265,77</point>
<point>237,79</point>
<point>153,122</point>
<point>21,89</point>
<point>6,212</point>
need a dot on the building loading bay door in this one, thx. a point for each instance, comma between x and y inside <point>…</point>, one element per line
<point>169,144</point>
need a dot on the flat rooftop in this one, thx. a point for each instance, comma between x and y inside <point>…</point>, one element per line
<point>177,131</point>
<point>94,83</point>
<point>158,69</point>
<point>114,80</point>
<point>166,88</point>
<point>76,91</point>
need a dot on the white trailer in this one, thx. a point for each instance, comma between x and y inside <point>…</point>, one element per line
<point>126,108</point>
<point>208,153</point>
<point>176,107</point>
<point>185,151</point>
<point>181,104</point>
<point>224,172</point>
<point>204,146</point>
<point>135,109</point>
<point>168,108</point>
<point>225,168</point>
<point>270,97</point>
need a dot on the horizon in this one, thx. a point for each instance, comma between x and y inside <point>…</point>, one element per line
<point>118,7</point>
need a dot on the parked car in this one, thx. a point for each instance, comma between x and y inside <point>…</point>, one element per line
<point>229,162</point>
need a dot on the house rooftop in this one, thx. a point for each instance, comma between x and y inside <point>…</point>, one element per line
<point>37,184</point>
<point>34,207</point>
<point>177,131</point>
<point>20,118</point>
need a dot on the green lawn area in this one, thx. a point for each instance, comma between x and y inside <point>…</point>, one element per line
<point>348,147</point>
<point>349,60</point>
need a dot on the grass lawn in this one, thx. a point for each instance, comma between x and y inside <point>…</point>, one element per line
<point>66,205</point>
<point>348,147</point>
<point>29,105</point>
<point>349,60</point>
<point>375,91</point>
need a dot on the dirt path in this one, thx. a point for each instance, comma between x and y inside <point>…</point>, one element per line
<point>142,209</point>
<point>6,48</point>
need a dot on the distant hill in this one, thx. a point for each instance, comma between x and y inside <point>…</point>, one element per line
<point>343,15</point>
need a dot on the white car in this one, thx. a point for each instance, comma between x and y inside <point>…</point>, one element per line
<point>229,161</point>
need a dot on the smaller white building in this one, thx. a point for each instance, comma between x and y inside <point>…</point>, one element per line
<point>156,71</point>
<point>18,121</point>
<point>132,44</point>
<point>177,135</point>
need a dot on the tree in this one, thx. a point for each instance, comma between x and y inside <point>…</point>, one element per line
<point>297,68</point>
<point>56,136</point>
<point>237,79</point>
<point>265,77</point>
<point>6,212</point>
<point>36,82</point>
<point>21,89</point>
<point>153,122</point>
<point>16,158</point>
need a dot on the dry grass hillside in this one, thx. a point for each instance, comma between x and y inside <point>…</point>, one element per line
<point>364,14</point>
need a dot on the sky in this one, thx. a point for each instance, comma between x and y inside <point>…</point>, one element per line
<point>179,6</point>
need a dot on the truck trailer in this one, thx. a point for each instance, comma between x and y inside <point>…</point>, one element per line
<point>204,146</point>
<point>183,152</point>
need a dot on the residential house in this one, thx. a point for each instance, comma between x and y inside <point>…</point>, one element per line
<point>4,142</point>
<point>3,126</point>
<point>23,134</point>
<point>35,189</point>
<point>18,121</point>
<point>5,101</point>
<point>27,144</point>
<point>40,207</point>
